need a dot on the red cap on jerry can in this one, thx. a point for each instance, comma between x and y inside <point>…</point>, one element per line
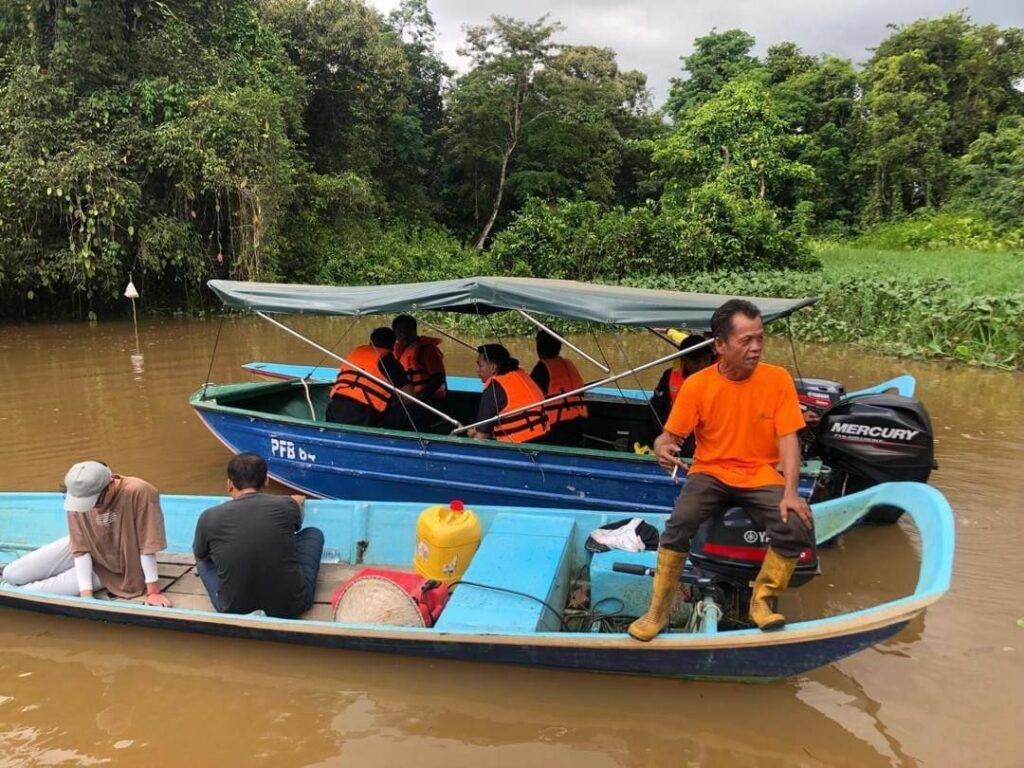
<point>456,505</point>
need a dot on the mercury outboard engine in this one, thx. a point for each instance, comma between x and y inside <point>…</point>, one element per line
<point>875,439</point>
<point>725,556</point>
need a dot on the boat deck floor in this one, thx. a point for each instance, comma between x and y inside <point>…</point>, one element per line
<point>181,583</point>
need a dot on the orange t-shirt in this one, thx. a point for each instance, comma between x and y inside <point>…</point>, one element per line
<point>737,423</point>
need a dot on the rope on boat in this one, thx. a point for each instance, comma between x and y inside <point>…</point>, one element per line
<point>309,400</point>
<point>216,341</point>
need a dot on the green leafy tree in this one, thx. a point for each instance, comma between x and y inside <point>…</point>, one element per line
<point>818,101</point>
<point>357,74</point>
<point>581,143</point>
<point>145,138</point>
<point>490,108</point>
<point>735,139</point>
<point>991,174</point>
<point>906,116</point>
<point>980,67</point>
<point>717,58</point>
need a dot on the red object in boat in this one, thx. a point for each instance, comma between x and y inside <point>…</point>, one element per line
<point>430,596</point>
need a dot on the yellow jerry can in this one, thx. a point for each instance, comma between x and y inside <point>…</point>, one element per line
<point>447,536</point>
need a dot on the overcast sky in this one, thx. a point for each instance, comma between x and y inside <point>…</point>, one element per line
<point>651,35</point>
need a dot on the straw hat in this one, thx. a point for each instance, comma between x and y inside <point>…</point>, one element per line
<point>377,600</point>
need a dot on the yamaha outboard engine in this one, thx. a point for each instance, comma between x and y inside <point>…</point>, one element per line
<point>875,439</point>
<point>725,556</point>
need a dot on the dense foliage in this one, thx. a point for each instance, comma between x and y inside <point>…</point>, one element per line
<point>324,141</point>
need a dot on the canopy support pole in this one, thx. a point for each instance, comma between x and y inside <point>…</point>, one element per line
<point>591,385</point>
<point>445,333</point>
<point>386,384</point>
<point>565,341</point>
<point>662,336</point>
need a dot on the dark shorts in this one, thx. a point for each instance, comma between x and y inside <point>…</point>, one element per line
<point>704,496</point>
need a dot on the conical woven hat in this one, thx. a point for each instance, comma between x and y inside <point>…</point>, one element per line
<point>376,600</point>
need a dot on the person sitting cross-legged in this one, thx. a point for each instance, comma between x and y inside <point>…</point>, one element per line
<point>252,553</point>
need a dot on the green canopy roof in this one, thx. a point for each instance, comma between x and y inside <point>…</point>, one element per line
<point>608,304</point>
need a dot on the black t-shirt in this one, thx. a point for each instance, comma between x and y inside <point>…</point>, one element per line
<point>540,376</point>
<point>251,541</point>
<point>492,401</point>
<point>393,372</point>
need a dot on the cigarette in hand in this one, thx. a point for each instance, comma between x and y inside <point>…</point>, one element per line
<point>675,472</point>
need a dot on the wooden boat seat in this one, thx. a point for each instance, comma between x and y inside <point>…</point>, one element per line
<point>527,554</point>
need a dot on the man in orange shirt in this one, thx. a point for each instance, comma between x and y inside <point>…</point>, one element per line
<point>745,416</point>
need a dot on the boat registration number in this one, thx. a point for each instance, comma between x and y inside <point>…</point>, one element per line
<point>286,449</point>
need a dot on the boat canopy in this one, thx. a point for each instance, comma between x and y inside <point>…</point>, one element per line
<point>608,304</point>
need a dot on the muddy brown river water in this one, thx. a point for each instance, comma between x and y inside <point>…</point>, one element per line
<point>948,691</point>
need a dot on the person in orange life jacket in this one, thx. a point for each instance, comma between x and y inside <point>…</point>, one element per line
<point>423,363</point>
<point>356,398</point>
<point>671,382</point>
<point>507,387</point>
<point>554,374</point>
<point>746,416</point>
<point>422,360</point>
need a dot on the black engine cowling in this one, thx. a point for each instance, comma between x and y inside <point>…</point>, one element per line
<point>875,439</point>
<point>730,547</point>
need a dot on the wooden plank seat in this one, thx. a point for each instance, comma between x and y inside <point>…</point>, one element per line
<point>528,554</point>
<point>180,581</point>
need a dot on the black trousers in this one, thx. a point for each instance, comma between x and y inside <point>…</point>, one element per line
<point>345,410</point>
<point>704,496</point>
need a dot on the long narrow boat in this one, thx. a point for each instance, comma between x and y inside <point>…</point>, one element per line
<point>285,421</point>
<point>536,553</point>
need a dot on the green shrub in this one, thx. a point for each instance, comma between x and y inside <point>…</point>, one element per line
<point>713,230</point>
<point>927,229</point>
<point>893,313</point>
<point>371,253</point>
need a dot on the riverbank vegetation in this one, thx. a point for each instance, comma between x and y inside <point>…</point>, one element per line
<point>177,141</point>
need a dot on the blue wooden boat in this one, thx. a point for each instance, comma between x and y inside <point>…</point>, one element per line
<point>285,421</point>
<point>535,552</point>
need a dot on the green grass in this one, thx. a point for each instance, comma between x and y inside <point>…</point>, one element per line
<point>970,272</point>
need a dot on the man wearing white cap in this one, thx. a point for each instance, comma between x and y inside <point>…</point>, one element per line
<point>109,518</point>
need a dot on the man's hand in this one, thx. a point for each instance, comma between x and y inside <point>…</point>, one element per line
<point>85,593</point>
<point>666,448</point>
<point>154,597</point>
<point>158,599</point>
<point>791,502</point>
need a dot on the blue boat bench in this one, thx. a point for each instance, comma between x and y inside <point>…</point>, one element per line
<point>531,554</point>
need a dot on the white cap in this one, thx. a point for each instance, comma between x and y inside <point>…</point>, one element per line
<point>85,482</point>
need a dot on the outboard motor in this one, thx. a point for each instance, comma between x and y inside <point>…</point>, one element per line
<point>875,439</point>
<point>725,556</point>
<point>818,395</point>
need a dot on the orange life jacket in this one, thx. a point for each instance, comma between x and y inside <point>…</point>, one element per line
<point>675,382</point>
<point>411,359</point>
<point>563,377</point>
<point>355,384</point>
<point>520,390</point>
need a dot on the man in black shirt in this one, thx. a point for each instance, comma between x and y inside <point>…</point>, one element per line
<point>250,553</point>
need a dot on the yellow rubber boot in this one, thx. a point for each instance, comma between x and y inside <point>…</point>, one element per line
<point>666,582</point>
<point>776,571</point>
